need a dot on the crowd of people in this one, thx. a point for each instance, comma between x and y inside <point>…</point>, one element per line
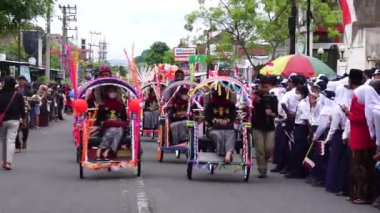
<point>25,106</point>
<point>326,132</point>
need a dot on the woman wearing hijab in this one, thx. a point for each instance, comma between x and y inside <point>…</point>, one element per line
<point>13,107</point>
<point>362,144</point>
<point>112,118</point>
<point>178,117</point>
<point>220,114</point>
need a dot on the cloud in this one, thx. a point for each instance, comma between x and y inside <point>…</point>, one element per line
<point>124,22</point>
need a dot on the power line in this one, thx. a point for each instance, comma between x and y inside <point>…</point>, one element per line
<point>68,15</point>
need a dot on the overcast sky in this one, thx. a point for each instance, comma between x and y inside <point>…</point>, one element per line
<point>124,22</point>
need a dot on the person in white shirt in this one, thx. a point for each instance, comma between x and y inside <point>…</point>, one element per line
<point>301,134</point>
<point>289,102</point>
<point>368,76</point>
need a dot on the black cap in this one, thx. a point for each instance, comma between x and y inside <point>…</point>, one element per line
<point>323,78</point>
<point>320,84</point>
<point>294,79</point>
<point>329,94</point>
<point>369,73</point>
<point>356,74</point>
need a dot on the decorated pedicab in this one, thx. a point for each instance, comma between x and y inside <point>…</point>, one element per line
<point>151,108</point>
<point>220,126</point>
<point>109,133</point>
<point>173,117</point>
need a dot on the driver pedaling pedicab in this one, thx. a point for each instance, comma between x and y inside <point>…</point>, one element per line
<point>172,128</point>
<point>109,133</point>
<point>221,127</point>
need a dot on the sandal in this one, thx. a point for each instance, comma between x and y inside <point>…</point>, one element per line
<point>228,160</point>
<point>360,201</point>
<point>7,166</point>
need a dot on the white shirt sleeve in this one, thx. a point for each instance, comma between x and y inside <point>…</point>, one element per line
<point>324,122</point>
<point>376,119</point>
<point>334,126</point>
<point>346,132</point>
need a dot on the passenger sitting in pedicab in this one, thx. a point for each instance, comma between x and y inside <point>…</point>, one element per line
<point>220,114</point>
<point>112,119</point>
<point>151,112</point>
<point>178,117</point>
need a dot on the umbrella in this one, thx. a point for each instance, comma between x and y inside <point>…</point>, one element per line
<point>300,64</point>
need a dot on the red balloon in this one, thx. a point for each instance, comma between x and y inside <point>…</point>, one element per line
<point>80,106</point>
<point>134,105</point>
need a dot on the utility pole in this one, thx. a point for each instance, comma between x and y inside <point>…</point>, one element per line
<point>102,51</point>
<point>292,24</point>
<point>47,53</point>
<point>308,20</point>
<point>91,44</point>
<point>68,15</point>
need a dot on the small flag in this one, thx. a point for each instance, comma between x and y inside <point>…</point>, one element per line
<point>308,163</point>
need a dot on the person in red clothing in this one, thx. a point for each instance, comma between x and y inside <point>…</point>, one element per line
<point>362,145</point>
<point>112,119</point>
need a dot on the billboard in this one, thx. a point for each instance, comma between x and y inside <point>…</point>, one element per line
<point>182,54</point>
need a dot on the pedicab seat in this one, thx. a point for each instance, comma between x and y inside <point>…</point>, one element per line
<point>95,141</point>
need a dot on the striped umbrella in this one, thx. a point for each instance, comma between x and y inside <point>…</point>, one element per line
<point>300,64</point>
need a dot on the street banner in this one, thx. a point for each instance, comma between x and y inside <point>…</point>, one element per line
<point>24,70</point>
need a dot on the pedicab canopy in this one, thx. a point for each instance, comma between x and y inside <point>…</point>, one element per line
<point>110,81</point>
<point>231,85</point>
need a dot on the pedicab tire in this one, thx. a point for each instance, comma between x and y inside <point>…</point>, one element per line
<point>189,171</point>
<point>212,169</point>
<point>160,155</point>
<point>81,176</point>
<point>78,155</point>
<point>177,154</point>
<point>139,165</point>
<point>247,171</point>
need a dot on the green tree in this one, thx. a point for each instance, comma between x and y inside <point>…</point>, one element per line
<point>156,53</point>
<point>251,22</point>
<point>168,57</point>
<point>123,71</point>
<point>11,51</point>
<point>15,14</point>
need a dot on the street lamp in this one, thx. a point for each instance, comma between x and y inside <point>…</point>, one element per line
<point>320,52</point>
<point>342,49</point>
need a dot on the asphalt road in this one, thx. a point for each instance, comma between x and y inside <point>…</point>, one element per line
<point>45,179</point>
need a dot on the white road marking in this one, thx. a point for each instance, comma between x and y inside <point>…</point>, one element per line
<point>142,199</point>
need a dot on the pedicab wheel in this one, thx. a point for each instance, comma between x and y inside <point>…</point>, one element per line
<point>189,170</point>
<point>212,169</point>
<point>247,170</point>
<point>78,155</point>
<point>160,154</point>
<point>139,165</point>
<point>81,171</point>
<point>177,154</point>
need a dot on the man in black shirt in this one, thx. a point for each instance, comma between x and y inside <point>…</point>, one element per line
<point>264,112</point>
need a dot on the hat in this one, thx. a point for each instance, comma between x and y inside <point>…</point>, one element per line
<point>22,77</point>
<point>377,72</point>
<point>323,78</point>
<point>329,94</point>
<point>355,74</point>
<point>294,78</point>
<point>104,69</point>
<point>320,84</point>
<point>369,72</point>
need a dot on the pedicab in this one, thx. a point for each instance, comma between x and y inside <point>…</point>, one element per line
<point>127,154</point>
<point>151,110</point>
<point>165,143</point>
<point>202,149</point>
